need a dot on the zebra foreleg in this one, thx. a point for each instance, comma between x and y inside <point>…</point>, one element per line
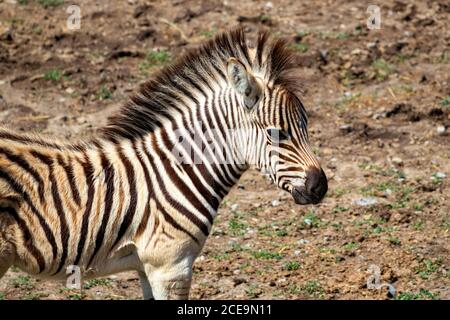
<point>7,248</point>
<point>146,287</point>
<point>171,283</point>
<point>172,289</point>
<point>7,254</point>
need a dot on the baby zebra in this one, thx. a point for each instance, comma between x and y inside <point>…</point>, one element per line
<point>142,195</point>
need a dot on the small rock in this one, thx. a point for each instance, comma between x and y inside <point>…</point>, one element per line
<point>346,128</point>
<point>302,241</point>
<point>234,207</point>
<point>81,120</point>
<point>347,94</point>
<point>275,203</point>
<point>397,160</point>
<point>366,201</point>
<point>440,130</point>
<point>269,5</point>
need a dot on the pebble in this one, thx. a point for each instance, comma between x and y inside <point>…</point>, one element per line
<point>347,94</point>
<point>275,203</point>
<point>366,201</point>
<point>269,5</point>
<point>440,130</point>
<point>345,128</point>
<point>302,241</point>
<point>397,160</point>
<point>234,207</point>
<point>70,90</point>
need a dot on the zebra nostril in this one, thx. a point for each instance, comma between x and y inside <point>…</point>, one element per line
<point>316,183</point>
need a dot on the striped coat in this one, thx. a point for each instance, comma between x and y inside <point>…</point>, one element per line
<point>127,199</point>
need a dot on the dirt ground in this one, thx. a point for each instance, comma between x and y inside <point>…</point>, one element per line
<point>379,106</point>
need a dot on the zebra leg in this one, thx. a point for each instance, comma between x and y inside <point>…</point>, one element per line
<point>170,283</point>
<point>176,289</point>
<point>146,287</point>
<point>7,248</point>
<point>6,257</point>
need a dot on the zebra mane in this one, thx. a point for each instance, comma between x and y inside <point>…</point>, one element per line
<point>196,70</point>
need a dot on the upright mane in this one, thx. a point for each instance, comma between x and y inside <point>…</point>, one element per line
<point>196,71</point>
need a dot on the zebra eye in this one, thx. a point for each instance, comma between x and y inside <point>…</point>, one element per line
<point>277,135</point>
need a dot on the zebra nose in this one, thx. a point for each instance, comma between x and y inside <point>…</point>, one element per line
<point>314,190</point>
<point>316,184</point>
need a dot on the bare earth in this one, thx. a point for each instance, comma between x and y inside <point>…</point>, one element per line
<point>379,106</point>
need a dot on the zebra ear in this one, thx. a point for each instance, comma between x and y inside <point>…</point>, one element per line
<point>244,82</point>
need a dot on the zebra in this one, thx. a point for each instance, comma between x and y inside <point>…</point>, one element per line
<point>125,200</point>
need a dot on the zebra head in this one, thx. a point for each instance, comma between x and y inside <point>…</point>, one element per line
<point>277,140</point>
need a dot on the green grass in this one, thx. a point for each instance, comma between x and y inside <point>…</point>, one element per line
<point>300,47</point>
<point>435,179</point>
<point>53,75</point>
<point>338,209</point>
<point>422,295</point>
<point>2,295</point>
<point>237,227</point>
<point>351,246</point>
<point>313,289</point>
<point>266,255</point>
<point>23,282</point>
<point>381,70</point>
<point>154,59</point>
<point>419,225</point>
<point>446,224</point>
<point>75,296</point>
<point>281,233</point>
<point>311,221</point>
<point>428,267</point>
<point>338,192</point>
<point>209,33</point>
<point>96,282</point>
<point>394,240</point>
<point>291,265</point>
<point>221,256</point>
<point>252,291</point>
<point>103,93</point>
<point>446,101</point>
<point>50,3</point>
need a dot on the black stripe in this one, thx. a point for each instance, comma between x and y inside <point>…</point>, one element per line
<point>133,196</point>
<point>174,203</point>
<point>184,188</point>
<point>23,139</point>
<point>151,194</point>
<point>19,189</point>
<point>64,232</point>
<point>208,196</point>
<point>21,162</point>
<point>68,168</point>
<point>27,237</point>
<point>108,169</point>
<point>89,173</point>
